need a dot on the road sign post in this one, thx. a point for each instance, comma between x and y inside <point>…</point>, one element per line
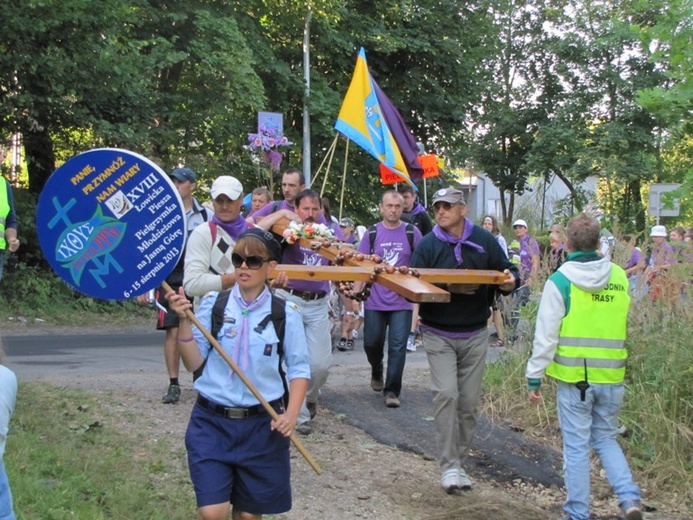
<point>656,201</point>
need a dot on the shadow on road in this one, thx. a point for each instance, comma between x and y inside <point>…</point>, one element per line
<point>498,453</point>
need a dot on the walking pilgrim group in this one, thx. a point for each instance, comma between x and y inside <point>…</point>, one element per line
<point>238,454</point>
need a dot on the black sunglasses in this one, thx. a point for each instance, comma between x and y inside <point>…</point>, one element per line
<point>253,262</point>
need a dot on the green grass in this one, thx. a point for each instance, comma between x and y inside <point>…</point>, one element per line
<point>69,456</point>
<point>658,408</point>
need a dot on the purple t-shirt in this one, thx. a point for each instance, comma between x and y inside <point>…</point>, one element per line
<point>393,246</point>
<point>297,255</point>
<point>662,255</point>
<point>634,258</point>
<point>269,209</point>
<point>528,248</point>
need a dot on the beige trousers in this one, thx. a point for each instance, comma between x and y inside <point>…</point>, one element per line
<point>457,370</point>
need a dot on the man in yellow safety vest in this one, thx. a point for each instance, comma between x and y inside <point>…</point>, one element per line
<point>8,223</point>
<point>580,341</point>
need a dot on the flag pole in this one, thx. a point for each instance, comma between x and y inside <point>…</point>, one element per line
<point>329,151</point>
<point>341,197</point>
<point>306,96</point>
<point>329,164</point>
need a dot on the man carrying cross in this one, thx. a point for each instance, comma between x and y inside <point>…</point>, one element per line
<point>386,312</point>
<point>456,334</point>
<point>311,299</point>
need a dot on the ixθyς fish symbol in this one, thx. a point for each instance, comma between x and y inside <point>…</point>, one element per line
<point>89,241</point>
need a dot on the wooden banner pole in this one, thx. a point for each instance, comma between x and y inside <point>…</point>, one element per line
<point>332,146</point>
<point>341,196</point>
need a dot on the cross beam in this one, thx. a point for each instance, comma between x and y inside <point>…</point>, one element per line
<point>414,289</point>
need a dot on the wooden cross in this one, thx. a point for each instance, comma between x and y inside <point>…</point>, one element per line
<point>414,289</point>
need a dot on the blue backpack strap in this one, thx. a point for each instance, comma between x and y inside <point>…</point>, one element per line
<point>278,318</point>
<point>217,322</point>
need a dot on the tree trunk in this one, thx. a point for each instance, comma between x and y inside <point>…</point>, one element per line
<point>504,207</point>
<point>40,158</point>
<point>640,213</point>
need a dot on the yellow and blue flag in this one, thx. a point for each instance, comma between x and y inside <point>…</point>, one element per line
<point>369,118</point>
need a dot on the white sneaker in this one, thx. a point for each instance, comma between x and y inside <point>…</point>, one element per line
<point>463,480</point>
<point>411,343</point>
<point>355,334</point>
<point>450,481</point>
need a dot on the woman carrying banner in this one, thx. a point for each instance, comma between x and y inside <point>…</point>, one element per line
<point>237,454</point>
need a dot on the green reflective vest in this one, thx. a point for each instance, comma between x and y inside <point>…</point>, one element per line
<point>4,211</point>
<point>593,334</point>
<point>514,252</point>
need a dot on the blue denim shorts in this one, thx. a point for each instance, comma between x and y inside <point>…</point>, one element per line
<point>238,460</point>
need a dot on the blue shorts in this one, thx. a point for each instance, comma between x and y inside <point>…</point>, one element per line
<point>238,460</point>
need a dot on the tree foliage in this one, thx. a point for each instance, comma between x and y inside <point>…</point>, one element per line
<point>513,88</point>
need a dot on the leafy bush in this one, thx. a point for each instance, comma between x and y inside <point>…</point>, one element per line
<point>25,204</point>
<point>35,292</point>
<point>29,287</point>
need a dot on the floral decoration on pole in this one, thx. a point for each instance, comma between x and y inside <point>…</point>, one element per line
<point>264,146</point>
<point>265,143</point>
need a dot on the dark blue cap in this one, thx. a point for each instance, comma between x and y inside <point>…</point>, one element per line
<point>267,238</point>
<point>184,174</point>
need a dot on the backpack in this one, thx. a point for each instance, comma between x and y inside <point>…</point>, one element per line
<point>409,229</point>
<point>278,318</point>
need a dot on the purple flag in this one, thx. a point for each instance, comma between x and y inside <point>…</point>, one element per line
<point>402,135</point>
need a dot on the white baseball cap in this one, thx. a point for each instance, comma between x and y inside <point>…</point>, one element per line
<point>658,231</point>
<point>227,185</point>
<point>520,222</point>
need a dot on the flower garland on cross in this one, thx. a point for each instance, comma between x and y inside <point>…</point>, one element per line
<point>296,230</point>
<point>324,238</point>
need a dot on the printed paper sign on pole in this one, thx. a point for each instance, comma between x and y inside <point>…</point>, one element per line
<point>387,176</point>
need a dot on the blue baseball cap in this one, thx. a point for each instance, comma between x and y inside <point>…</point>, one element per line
<point>184,174</point>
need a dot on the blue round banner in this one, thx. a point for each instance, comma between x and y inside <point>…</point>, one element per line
<point>111,223</point>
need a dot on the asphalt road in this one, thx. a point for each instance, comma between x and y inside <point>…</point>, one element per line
<point>498,453</point>
<point>40,357</point>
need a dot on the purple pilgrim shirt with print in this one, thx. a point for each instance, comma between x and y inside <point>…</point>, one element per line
<point>298,255</point>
